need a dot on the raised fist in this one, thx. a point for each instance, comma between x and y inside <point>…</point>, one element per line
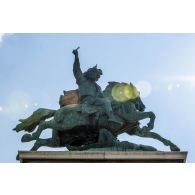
<point>75,51</point>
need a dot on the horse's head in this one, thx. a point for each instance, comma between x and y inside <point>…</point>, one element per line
<point>136,99</point>
<point>124,92</point>
<point>138,104</point>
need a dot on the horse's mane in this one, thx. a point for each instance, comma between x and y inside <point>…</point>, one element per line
<point>124,107</point>
<point>108,90</point>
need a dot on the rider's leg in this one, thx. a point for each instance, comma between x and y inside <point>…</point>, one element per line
<point>106,104</point>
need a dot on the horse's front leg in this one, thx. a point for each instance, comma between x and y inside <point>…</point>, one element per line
<point>150,125</point>
<point>139,132</point>
<point>137,116</point>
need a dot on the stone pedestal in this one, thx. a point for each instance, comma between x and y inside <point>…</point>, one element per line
<point>101,157</point>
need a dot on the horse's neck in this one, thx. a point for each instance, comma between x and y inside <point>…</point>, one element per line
<point>126,107</point>
<point>124,110</point>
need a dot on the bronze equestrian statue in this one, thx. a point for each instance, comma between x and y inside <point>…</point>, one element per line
<point>91,119</point>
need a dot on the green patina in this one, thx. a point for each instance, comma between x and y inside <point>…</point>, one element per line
<point>95,122</point>
<point>29,124</point>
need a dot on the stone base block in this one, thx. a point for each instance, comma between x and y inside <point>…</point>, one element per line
<point>101,157</point>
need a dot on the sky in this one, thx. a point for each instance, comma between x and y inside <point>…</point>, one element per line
<point>36,68</point>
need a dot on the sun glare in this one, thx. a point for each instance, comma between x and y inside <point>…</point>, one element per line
<point>124,92</point>
<point>144,87</point>
<point>190,80</point>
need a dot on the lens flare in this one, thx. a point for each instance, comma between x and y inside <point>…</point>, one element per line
<point>145,88</point>
<point>16,104</point>
<point>122,92</point>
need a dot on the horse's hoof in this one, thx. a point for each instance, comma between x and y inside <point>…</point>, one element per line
<point>174,148</point>
<point>17,157</point>
<point>150,126</point>
<point>72,148</point>
<point>26,138</point>
<point>146,128</point>
<point>35,147</point>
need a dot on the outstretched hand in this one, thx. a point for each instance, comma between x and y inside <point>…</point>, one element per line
<point>75,51</point>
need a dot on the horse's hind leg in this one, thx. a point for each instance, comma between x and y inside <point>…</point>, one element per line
<point>51,142</point>
<point>42,125</point>
<point>156,136</point>
<point>44,142</point>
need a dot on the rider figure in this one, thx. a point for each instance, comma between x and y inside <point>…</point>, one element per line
<point>90,92</point>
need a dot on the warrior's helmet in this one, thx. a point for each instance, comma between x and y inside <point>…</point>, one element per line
<point>91,72</point>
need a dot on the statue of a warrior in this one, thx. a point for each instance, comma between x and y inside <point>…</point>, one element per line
<point>89,91</point>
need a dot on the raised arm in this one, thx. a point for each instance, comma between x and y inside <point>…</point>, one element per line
<point>76,67</point>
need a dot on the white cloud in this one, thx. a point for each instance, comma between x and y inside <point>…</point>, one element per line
<point>3,35</point>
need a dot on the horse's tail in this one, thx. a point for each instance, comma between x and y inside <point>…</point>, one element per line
<point>30,123</point>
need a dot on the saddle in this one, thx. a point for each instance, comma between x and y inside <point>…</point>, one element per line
<point>72,98</point>
<point>69,97</point>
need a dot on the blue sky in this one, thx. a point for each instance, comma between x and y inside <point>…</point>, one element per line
<point>36,68</point>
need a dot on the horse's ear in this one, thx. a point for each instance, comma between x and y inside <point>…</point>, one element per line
<point>137,92</point>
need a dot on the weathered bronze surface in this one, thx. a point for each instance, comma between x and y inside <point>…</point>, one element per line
<point>90,119</point>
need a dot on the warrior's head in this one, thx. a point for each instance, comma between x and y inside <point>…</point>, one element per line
<point>93,74</point>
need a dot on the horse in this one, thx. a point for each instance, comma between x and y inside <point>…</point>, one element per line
<point>80,124</point>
